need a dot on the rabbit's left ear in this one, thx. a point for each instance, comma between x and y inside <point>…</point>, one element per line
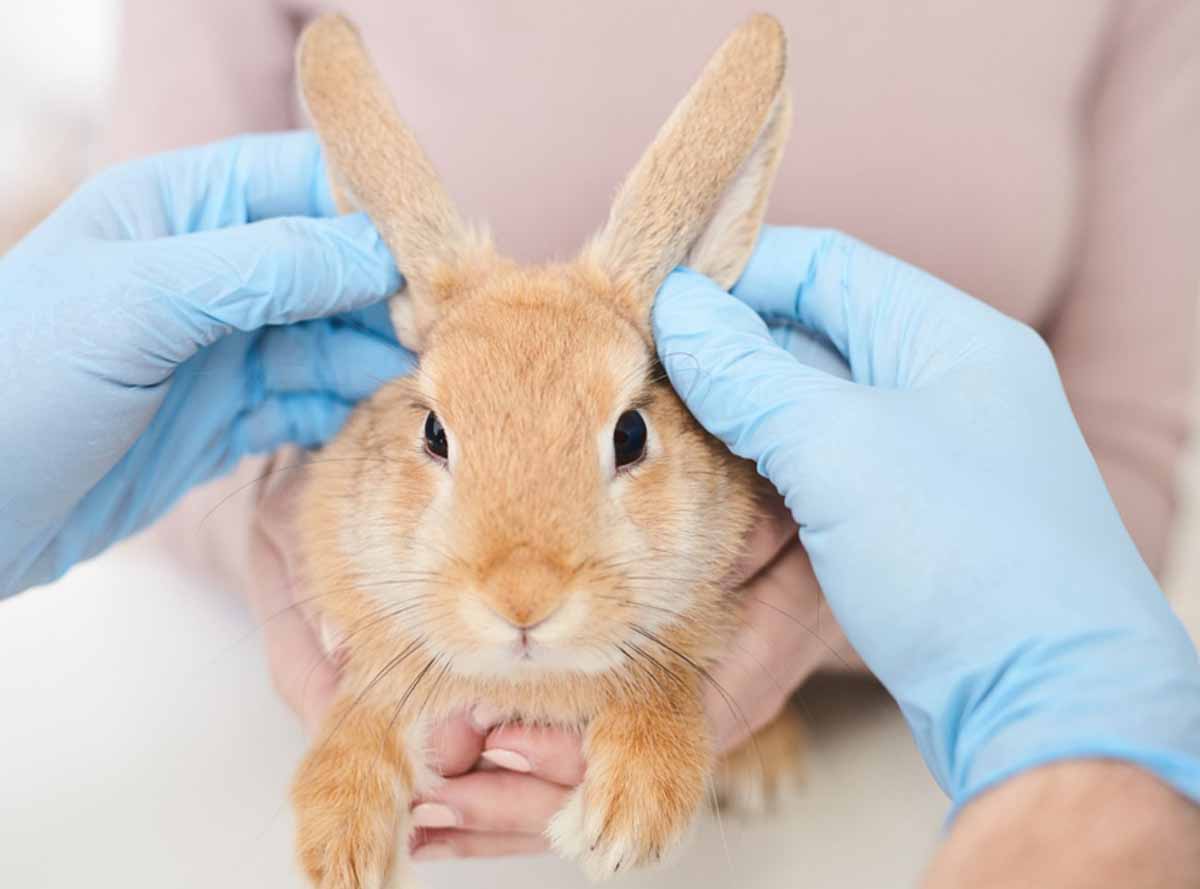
<point>376,165</point>
<point>698,195</point>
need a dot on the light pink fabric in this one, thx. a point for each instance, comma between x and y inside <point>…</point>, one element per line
<point>1042,156</point>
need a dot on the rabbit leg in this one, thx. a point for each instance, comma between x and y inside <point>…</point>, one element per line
<point>751,778</point>
<point>647,774</point>
<point>351,796</point>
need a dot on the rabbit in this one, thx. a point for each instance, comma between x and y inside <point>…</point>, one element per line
<point>532,519</point>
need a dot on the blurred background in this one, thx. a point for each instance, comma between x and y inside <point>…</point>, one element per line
<point>56,63</point>
<point>140,741</point>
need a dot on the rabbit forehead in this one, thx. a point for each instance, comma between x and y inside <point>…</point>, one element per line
<point>529,391</point>
<point>542,347</point>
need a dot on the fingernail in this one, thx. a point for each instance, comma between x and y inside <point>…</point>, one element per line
<point>434,815</point>
<point>433,852</point>
<point>485,716</point>
<point>507,759</point>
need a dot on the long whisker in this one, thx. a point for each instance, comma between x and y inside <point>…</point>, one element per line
<point>412,686</point>
<point>291,467</point>
<point>438,682</point>
<point>706,675</point>
<point>388,668</point>
<point>654,676</point>
<point>800,623</point>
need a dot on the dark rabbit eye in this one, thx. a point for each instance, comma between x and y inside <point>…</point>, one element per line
<point>629,438</point>
<point>435,437</point>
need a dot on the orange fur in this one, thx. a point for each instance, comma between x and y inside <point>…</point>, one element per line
<point>432,573</point>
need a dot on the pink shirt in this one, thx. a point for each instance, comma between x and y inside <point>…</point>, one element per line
<point>1042,156</point>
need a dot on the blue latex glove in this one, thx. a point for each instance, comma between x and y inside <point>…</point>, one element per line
<point>149,339</point>
<point>956,520</point>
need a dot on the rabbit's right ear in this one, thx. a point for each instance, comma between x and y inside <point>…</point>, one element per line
<point>699,194</point>
<point>376,165</point>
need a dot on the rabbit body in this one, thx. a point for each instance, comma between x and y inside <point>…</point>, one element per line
<point>515,561</point>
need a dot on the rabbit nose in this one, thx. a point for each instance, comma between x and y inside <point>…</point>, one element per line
<point>526,626</point>
<point>523,591</point>
<point>525,617</point>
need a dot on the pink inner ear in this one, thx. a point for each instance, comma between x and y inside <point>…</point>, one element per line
<point>726,244</point>
<point>400,308</point>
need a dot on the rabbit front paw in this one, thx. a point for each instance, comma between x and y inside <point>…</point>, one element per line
<point>342,862</point>
<point>628,813</point>
<point>348,801</point>
<point>345,840</point>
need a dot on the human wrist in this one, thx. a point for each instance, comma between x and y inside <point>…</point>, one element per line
<point>1079,823</point>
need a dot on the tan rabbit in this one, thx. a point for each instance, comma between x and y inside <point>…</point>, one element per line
<point>533,519</point>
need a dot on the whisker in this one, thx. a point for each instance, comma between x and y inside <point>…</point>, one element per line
<point>388,668</point>
<point>707,676</point>
<point>288,468</point>
<point>800,623</point>
<point>412,686</point>
<point>438,682</point>
<point>650,673</point>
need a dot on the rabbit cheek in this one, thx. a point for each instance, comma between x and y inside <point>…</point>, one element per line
<point>660,526</point>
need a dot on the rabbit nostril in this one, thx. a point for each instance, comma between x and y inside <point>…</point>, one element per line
<point>525,618</point>
<point>523,587</point>
<point>525,624</point>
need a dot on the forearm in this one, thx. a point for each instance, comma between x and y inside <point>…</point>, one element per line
<point>1095,824</point>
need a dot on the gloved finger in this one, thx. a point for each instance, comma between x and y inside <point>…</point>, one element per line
<point>780,644</point>
<point>432,845</point>
<point>554,755</point>
<point>863,301</point>
<point>747,391</point>
<point>809,347</point>
<point>307,420</point>
<point>241,180</point>
<point>280,271</point>
<point>325,356</point>
<point>453,745</point>
<point>375,318</point>
<point>497,801</point>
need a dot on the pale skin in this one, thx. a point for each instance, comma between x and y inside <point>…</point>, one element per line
<point>1069,824</point>
<point>1073,825</point>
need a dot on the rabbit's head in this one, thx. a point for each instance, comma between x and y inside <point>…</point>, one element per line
<point>534,499</point>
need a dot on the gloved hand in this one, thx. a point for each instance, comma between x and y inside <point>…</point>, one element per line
<point>955,518</point>
<point>155,329</point>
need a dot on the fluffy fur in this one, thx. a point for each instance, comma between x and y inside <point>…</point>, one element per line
<point>527,571</point>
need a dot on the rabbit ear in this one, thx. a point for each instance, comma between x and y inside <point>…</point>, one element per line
<point>698,195</point>
<point>377,166</point>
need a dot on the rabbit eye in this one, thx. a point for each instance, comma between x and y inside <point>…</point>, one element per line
<point>629,438</point>
<point>435,437</point>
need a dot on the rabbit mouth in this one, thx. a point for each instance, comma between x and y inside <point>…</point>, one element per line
<point>527,651</point>
<point>534,659</point>
<point>524,648</point>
